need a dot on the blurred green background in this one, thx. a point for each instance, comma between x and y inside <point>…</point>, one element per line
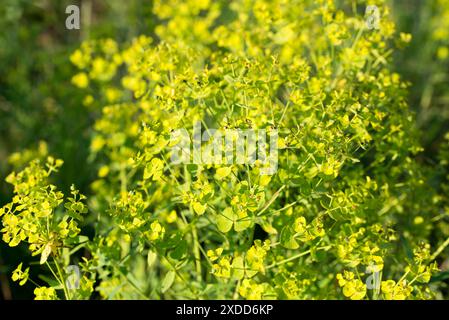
<point>38,102</point>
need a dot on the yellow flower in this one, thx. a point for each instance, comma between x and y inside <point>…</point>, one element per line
<point>156,231</point>
<point>395,291</point>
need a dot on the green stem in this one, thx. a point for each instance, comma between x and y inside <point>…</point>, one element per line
<point>129,281</point>
<point>271,200</point>
<point>123,180</point>
<point>66,291</point>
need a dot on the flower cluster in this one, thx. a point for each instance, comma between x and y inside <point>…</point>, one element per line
<point>346,195</point>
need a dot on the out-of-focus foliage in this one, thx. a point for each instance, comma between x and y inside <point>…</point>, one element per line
<point>351,199</point>
<point>425,63</point>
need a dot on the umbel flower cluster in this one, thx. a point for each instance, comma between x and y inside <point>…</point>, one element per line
<point>349,201</point>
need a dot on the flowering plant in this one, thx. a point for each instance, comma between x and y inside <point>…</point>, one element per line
<point>348,203</point>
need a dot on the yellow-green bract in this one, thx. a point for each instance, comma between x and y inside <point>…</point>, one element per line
<point>349,198</point>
